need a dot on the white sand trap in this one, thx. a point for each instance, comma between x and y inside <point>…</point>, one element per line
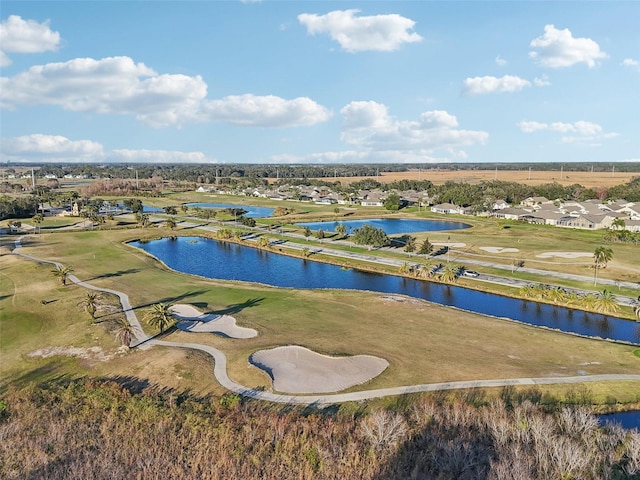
<point>564,254</point>
<point>190,319</point>
<point>296,369</point>
<point>499,250</point>
<point>450,245</point>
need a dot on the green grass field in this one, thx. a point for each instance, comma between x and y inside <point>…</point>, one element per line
<point>423,342</point>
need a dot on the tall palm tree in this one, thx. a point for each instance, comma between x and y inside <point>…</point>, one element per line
<point>90,303</point>
<point>601,257</point>
<point>38,219</point>
<point>341,229</point>
<point>606,303</point>
<point>160,316</point>
<point>62,272</point>
<point>449,273</point>
<point>125,332</point>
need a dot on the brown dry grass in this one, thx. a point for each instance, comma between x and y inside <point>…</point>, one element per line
<point>439,177</point>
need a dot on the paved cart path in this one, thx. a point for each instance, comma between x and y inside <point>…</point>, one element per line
<point>220,364</point>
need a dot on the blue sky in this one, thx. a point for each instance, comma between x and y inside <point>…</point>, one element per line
<point>319,81</point>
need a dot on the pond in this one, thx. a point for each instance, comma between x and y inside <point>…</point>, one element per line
<point>252,211</point>
<point>229,261</point>
<point>628,420</point>
<point>391,226</point>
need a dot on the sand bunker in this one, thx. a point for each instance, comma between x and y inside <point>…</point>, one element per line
<point>499,250</point>
<point>296,369</point>
<point>190,319</point>
<point>564,254</point>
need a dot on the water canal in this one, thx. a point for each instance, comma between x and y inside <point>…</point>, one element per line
<point>391,226</point>
<point>229,261</point>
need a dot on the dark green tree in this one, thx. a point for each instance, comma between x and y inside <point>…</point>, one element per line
<point>371,236</point>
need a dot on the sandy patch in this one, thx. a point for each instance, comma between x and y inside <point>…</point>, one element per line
<point>450,245</point>
<point>499,250</point>
<point>564,254</point>
<point>91,353</point>
<point>296,369</point>
<point>190,319</point>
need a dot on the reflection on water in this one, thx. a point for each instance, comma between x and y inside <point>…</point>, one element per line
<point>229,261</point>
<point>391,226</point>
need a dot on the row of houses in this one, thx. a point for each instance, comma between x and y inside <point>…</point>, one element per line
<point>590,214</point>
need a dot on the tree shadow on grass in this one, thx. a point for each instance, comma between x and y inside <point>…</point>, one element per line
<point>238,307</point>
<point>172,300</point>
<point>119,273</point>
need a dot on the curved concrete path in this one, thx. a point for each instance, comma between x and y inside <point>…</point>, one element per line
<point>220,365</point>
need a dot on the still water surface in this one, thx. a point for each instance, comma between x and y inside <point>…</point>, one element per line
<point>391,226</point>
<point>252,211</point>
<point>229,261</point>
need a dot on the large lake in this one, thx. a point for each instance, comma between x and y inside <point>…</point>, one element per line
<point>252,211</point>
<point>391,226</point>
<point>229,261</point>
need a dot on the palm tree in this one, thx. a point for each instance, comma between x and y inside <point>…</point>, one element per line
<point>606,303</point>
<point>160,316</point>
<point>90,304</point>
<point>38,219</point>
<point>449,273</point>
<point>601,257</point>
<point>125,332</point>
<point>405,268</point>
<point>62,272</point>
<point>618,224</point>
<point>636,308</point>
<point>341,229</point>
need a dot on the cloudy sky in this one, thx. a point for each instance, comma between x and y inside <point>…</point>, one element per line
<point>319,81</point>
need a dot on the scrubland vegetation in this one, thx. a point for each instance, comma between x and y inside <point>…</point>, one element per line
<point>99,429</point>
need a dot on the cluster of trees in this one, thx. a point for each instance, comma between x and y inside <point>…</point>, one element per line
<point>370,236</point>
<point>20,207</point>
<point>207,173</point>
<point>77,429</point>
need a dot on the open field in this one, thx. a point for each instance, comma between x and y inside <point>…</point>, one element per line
<point>423,342</point>
<point>438,177</point>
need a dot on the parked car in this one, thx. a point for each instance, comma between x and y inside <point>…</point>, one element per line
<point>470,273</point>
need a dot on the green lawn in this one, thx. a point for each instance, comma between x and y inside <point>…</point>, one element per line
<point>423,342</point>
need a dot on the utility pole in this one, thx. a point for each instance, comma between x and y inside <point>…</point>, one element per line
<point>529,173</point>
<point>137,182</point>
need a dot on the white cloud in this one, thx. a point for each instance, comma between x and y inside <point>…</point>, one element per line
<point>367,125</point>
<point>558,48</point>
<point>118,85</point>
<point>357,34</point>
<point>266,111</point>
<point>489,84</point>
<point>40,147</point>
<point>501,62</point>
<point>543,81</point>
<point>631,63</point>
<point>581,127</point>
<point>155,156</point>
<point>25,36</point>
<point>48,146</point>
<point>580,132</point>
